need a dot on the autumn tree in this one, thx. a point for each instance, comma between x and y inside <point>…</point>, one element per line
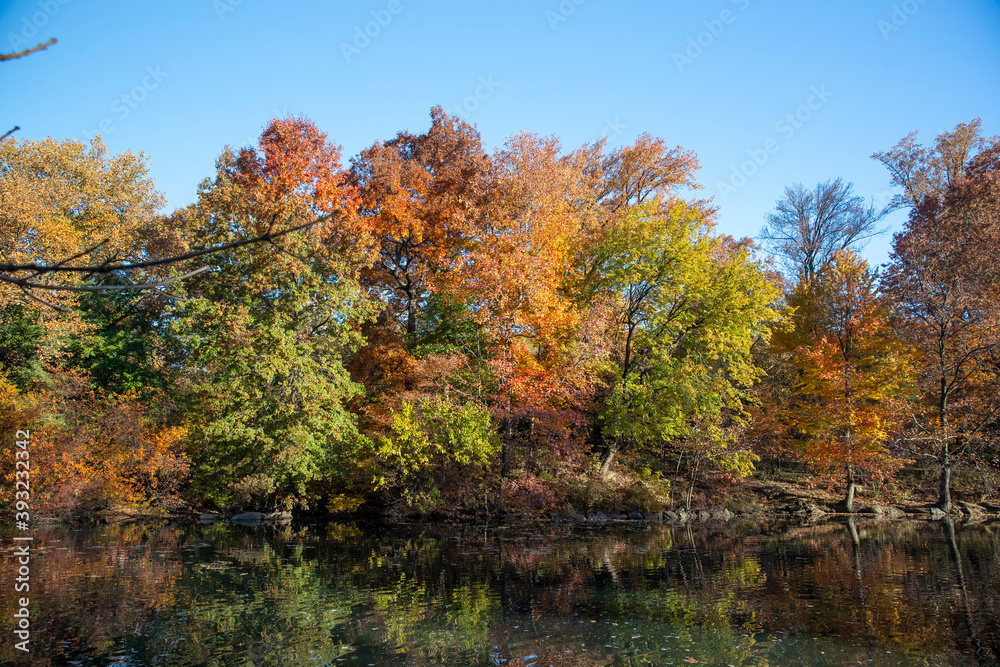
<point>75,220</point>
<point>418,196</point>
<point>854,376</point>
<point>68,200</point>
<point>645,172</point>
<point>93,450</point>
<point>808,227</point>
<point>689,306</point>
<point>805,232</point>
<point>943,276</point>
<point>263,334</point>
<point>436,447</point>
<point>922,172</point>
<point>610,181</point>
<point>536,205</point>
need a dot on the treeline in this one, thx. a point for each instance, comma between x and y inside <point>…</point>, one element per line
<point>521,329</point>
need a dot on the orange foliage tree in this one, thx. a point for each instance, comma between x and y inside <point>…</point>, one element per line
<point>418,197</point>
<point>854,376</point>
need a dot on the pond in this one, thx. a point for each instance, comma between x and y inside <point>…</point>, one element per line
<point>848,593</point>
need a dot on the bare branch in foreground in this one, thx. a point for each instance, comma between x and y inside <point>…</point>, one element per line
<point>41,269</point>
<point>24,283</point>
<point>26,52</point>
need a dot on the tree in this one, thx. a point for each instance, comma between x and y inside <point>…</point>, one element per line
<point>808,227</point>
<point>689,307</point>
<point>854,373</point>
<point>944,278</point>
<point>434,445</point>
<point>515,284</point>
<point>929,172</point>
<point>644,172</point>
<point>418,196</point>
<point>63,200</point>
<point>263,334</point>
<point>62,203</point>
<point>92,450</point>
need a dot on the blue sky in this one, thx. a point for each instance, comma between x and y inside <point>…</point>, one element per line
<point>766,93</point>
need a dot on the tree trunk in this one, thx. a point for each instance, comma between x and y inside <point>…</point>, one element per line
<point>508,432</point>
<point>852,486</point>
<point>849,499</point>
<point>609,456</point>
<point>694,471</point>
<point>944,491</point>
<point>411,316</point>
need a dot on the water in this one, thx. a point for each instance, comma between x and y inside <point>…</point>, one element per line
<point>331,594</point>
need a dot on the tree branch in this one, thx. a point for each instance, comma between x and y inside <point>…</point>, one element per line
<point>26,52</point>
<point>41,269</point>
<point>24,283</point>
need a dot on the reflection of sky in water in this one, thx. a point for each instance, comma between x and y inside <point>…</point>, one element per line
<point>882,594</point>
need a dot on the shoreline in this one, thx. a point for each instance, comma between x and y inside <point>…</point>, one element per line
<point>803,511</point>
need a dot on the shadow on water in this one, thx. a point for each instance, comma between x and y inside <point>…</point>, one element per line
<point>893,593</point>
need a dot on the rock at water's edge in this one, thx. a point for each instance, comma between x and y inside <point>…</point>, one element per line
<point>972,509</point>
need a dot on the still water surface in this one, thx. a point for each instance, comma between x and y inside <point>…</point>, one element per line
<point>916,593</point>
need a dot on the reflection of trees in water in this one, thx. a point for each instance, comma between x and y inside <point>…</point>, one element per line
<point>984,655</point>
<point>455,596</point>
<point>87,587</point>
<point>885,585</point>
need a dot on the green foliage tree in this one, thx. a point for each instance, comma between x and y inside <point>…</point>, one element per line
<point>690,305</point>
<point>262,336</point>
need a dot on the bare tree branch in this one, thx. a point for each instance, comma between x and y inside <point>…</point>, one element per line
<point>27,52</point>
<point>10,132</point>
<point>808,227</point>
<point>78,255</point>
<point>53,306</point>
<point>25,284</point>
<point>41,269</point>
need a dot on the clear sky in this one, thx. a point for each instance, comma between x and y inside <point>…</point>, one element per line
<point>180,80</point>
